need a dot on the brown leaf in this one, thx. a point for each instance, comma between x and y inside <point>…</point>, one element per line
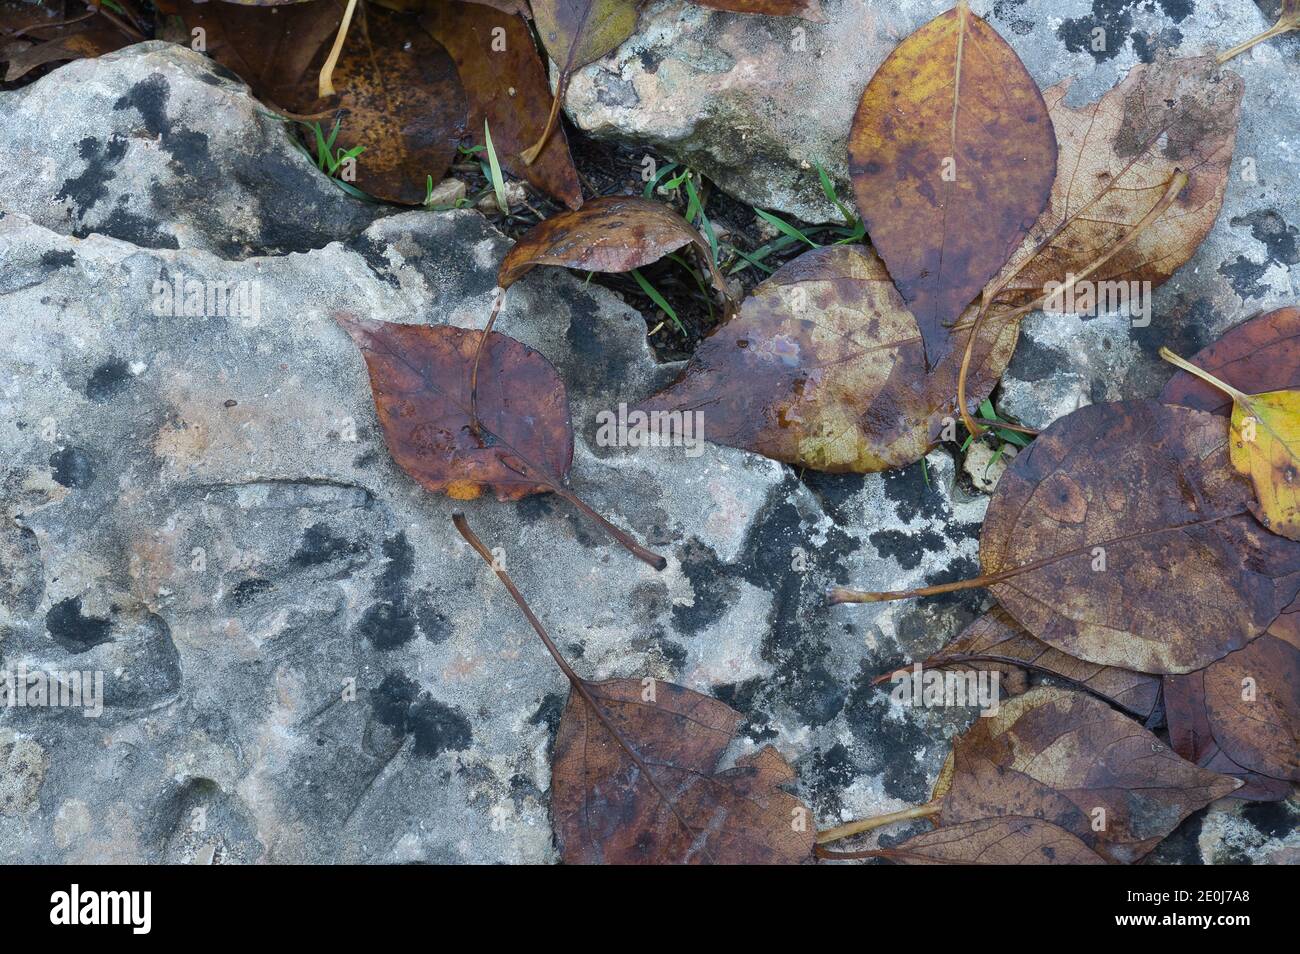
<point>507,86</point>
<point>1116,157</point>
<point>995,640</point>
<point>1244,710</point>
<point>1122,537</point>
<point>952,159</point>
<point>33,35</point>
<point>402,101</point>
<point>419,376</point>
<point>1262,354</point>
<point>636,776</point>
<point>615,233</point>
<point>605,813</point>
<point>1069,759</point>
<point>805,9</point>
<point>988,841</point>
<point>268,47</point>
<point>823,367</point>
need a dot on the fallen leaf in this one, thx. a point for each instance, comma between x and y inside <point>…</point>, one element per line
<point>1123,537</point>
<point>1246,706</point>
<point>1069,759</point>
<point>952,159</point>
<point>401,99</point>
<point>636,774</point>
<point>420,376</point>
<point>805,9</point>
<point>33,35</point>
<point>988,841</point>
<point>1265,441</point>
<point>615,233</point>
<point>506,83</point>
<point>575,33</point>
<point>1262,354</point>
<point>1115,158</point>
<point>824,367</point>
<point>996,640</point>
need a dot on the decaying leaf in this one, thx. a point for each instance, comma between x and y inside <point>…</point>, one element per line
<point>805,9</point>
<point>1069,759</point>
<point>1262,354</point>
<point>1122,536</point>
<point>952,158</point>
<point>996,640</point>
<point>418,374</point>
<point>824,367</point>
<point>1265,441</point>
<point>520,442</point>
<point>615,233</point>
<point>1116,157</point>
<point>1241,715</point>
<point>33,35</point>
<point>575,33</point>
<point>988,841</point>
<point>401,99</point>
<point>636,776</point>
<point>505,81</point>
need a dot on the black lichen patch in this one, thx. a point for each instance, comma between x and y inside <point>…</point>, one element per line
<point>57,258</point>
<point>131,227</point>
<point>390,622</point>
<point>246,592</point>
<point>436,727</point>
<point>107,380</point>
<point>320,545</point>
<point>72,467</point>
<point>149,98</point>
<point>1114,18</point>
<point>832,772</point>
<point>1185,329</point>
<point>714,590</point>
<point>549,713</point>
<point>913,497</point>
<point>890,743</point>
<point>908,547</point>
<point>434,624</point>
<point>1272,819</point>
<point>89,186</point>
<point>745,698</point>
<point>373,254</point>
<point>73,631</point>
<point>548,508</point>
<point>1244,275</point>
<point>1034,361</point>
<point>834,492</point>
<point>1009,12</point>
<point>1279,239</point>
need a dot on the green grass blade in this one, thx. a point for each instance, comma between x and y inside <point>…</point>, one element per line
<point>658,299</point>
<point>785,227</point>
<point>498,183</point>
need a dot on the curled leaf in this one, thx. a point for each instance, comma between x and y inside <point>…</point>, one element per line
<point>804,9</point>
<point>824,367</point>
<point>952,159</point>
<point>987,841</point>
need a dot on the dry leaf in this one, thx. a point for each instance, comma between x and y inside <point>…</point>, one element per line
<point>1260,354</point>
<point>805,9</point>
<point>952,159</point>
<point>1116,158</point>
<point>1126,540</point>
<point>989,841</point>
<point>1069,759</point>
<point>505,81</point>
<point>823,367</point>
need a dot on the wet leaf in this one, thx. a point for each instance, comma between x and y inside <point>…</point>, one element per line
<point>1262,354</point>
<point>636,774</point>
<point>33,35</point>
<point>995,640</point>
<point>401,99</point>
<point>1071,760</point>
<point>952,159</point>
<point>420,379</point>
<point>614,233</point>
<point>575,33</point>
<point>1116,157</point>
<point>987,841</point>
<point>805,9</point>
<point>506,83</point>
<point>823,367</point>
<point>1265,442</point>
<point>1125,539</point>
<point>1241,715</point>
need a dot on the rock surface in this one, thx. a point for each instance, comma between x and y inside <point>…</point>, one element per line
<point>301,661</point>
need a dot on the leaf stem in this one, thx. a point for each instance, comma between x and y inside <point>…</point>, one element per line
<point>1204,375</point>
<point>529,155</point>
<point>474,425</point>
<point>849,829</point>
<point>1276,29</point>
<point>325,84</point>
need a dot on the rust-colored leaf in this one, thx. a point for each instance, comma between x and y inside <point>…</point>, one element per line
<point>995,640</point>
<point>575,33</point>
<point>419,376</point>
<point>824,367</point>
<point>1122,536</point>
<point>952,158</point>
<point>33,35</point>
<point>1005,840</point>
<point>1116,158</point>
<point>505,81</point>
<point>1262,354</point>
<point>636,775</point>
<point>1071,760</point>
<point>615,233</point>
<point>401,99</point>
<point>1244,711</point>
<point>804,9</point>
